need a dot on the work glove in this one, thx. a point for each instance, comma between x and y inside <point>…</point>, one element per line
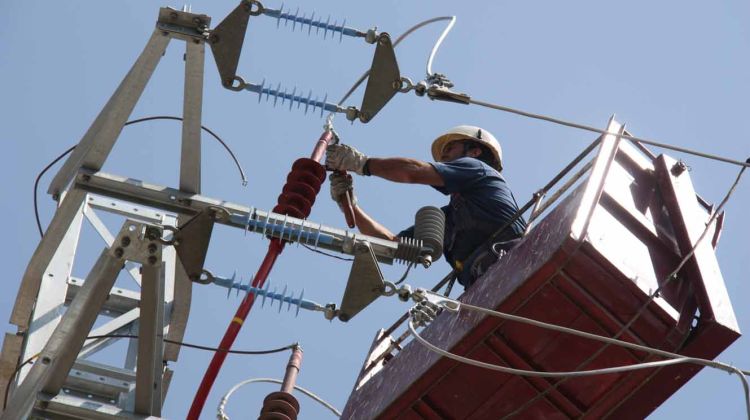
<point>340,185</point>
<point>345,158</point>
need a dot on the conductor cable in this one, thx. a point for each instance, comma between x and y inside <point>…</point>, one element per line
<point>601,131</point>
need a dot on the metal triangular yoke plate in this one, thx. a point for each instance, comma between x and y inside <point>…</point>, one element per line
<point>365,283</point>
<point>384,81</point>
<point>226,42</point>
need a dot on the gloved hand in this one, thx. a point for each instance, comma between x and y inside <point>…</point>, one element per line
<point>345,158</point>
<point>340,185</point>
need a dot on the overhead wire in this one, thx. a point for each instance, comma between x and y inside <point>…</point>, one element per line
<point>601,131</point>
<point>139,120</point>
<point>221,414</point>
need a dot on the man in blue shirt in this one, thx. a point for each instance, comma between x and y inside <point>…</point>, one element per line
<point>468,164</point>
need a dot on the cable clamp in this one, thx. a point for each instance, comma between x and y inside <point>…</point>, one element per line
<point>423,295</point>
<point>424,313</point>
<point>440,80</point>
<point>437,92</point>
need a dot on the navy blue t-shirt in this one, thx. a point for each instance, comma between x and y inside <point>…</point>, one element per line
<point>481,203</point>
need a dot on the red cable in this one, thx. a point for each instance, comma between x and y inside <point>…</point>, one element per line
<point>274,249</point>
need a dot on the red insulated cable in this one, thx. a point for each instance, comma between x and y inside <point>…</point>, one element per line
<point>274,249</point>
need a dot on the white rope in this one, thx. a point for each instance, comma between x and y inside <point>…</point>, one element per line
<point>221,414</point>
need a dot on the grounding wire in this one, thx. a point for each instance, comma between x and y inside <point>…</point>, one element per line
<point>667,280</point>
<point>601,131</point>
<point>222,415</point>
<point>158,117</point>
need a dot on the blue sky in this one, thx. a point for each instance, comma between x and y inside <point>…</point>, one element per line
<point>673,71</point>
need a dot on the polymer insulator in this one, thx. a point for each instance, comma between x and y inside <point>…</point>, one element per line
<point>293,97</point>
<point>311,22</point>
<point>429,227</point>
<point>286,296</point>
<point>408,251</point>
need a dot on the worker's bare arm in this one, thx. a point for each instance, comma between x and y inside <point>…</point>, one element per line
<point>369,226</point>
<point>410,171</point>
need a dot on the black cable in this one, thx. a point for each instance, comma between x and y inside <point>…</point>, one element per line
<point>406,273</point>
<point>179,343</point>
<point>327,254</point>
<point>13,375</point>
<point>199,347</point>
<point>158,117</point>
<point>36,188</point>
<point>207,130</point>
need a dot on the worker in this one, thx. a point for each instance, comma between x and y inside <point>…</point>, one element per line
<point>468,162</point>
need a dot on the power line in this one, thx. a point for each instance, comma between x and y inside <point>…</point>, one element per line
<point>600,131</point>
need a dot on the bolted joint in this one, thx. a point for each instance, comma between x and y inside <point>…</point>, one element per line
<point>678,168</point>
<point>153,233</point>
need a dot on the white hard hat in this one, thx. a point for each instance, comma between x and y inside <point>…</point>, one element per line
<point>468,132</point>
